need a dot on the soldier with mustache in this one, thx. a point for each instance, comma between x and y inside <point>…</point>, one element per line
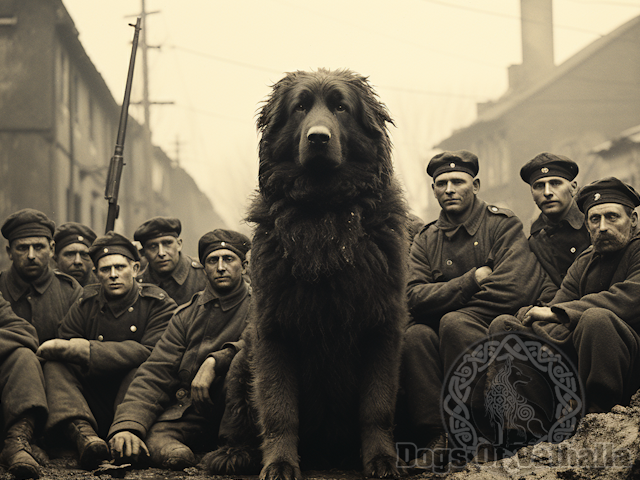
<point>594,316</point>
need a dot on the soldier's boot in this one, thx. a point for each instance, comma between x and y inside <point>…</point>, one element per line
<point>176,456</point>
<point>92,450</point>
<point>17,455</point>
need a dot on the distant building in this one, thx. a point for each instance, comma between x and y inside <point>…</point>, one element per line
<point>619,157</point>
<point>58,129</point>
<point>566,109</point>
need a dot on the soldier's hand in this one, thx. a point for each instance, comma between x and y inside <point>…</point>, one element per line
<point>127,446</point>
<point>201,385</point>
<point>76,350</point>
<point>482,273</point>
<point>539,314</point>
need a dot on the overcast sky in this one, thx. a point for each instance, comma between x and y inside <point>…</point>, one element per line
<point>430,61</point>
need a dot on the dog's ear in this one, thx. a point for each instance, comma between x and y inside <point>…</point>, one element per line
<point>374,114</point>
<point>273,112</point>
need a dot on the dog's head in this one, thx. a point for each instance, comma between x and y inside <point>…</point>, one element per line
<point>324,138</point>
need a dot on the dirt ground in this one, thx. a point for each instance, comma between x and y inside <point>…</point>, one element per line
<point>605,447</point>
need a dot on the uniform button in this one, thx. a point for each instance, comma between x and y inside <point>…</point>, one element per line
<point>494,209</point>
<point>475,244</point>
<point>130,309</point>
<point>100,338</point>
<point>573,249</point>
<point>449,262</point>
<point>139,280</point>
<point>194,264</point>
<point>133,328</point>
<point>161,295</point>
<point>29,297</point>
<point>180,394</point>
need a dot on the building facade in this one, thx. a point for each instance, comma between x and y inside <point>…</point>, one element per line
<point>58,128</point>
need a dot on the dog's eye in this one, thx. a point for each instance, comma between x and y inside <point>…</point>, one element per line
<point>300,107</point>
<point>341,108</point>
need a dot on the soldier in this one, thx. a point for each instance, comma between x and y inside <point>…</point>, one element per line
<point>72,251</point>
<point>594,315</point>
<point>559,234</point>
<point>176,399</point>
<point>24,403</point>
<point>36,292</point>
<point>465,269</point>
<point>179,275</point>
<point>104,337</point>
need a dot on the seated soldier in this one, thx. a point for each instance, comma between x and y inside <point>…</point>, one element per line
<point>594,316</point>
<point>104,337</point>
<point>559,234</point>
<point>465,269</point>
<point>175,401</point>
<point>24,403</point>
<point>177,274</point>
<point>72,251</point>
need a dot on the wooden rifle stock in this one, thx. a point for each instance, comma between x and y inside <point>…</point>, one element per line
<point>117,162</point>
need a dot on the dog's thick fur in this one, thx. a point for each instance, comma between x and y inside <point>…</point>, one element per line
<point>328,273</point>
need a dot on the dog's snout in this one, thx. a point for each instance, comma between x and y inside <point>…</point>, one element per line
<point>319,134</point>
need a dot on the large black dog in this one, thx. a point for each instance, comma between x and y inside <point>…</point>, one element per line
<point>320,371</point>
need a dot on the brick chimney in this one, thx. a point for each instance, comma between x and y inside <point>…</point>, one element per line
<point>536,19</point>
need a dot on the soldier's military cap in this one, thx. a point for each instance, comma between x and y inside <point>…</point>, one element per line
<point>457,161</point>
<point>548,165</point>
<point>113,243</point>
<point>27,223</point>
<point>72,232</point>
<point>607,190</point>
<point>157,227</point>
<point>220,238</point>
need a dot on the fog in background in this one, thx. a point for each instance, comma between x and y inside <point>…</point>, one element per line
<point>430,62</point>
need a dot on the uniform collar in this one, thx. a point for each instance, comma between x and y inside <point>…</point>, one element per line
<point>574,217</point>
<point>471,224</point>
<point>179,273</point>
<point>227,302</point>
<point>120,305</point>
<point>18,287</point>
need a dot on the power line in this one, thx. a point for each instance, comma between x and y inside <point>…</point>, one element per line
<point>506,15</point>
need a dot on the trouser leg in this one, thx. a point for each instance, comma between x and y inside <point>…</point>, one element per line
<point>608,362</point>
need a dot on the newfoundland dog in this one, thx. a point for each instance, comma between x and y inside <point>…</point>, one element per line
<point>318,378</point>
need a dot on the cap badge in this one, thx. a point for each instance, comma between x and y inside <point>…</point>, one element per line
<point>544,170</point>
<point>596,197</point>
<point>80,238</point>
<point>452,165</point>
<point>106,250</point>
<point>223,243</point>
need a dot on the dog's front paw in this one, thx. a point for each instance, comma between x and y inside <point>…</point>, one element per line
<point>382,466</point>
<point>282,470</point>
<point>228,460</point>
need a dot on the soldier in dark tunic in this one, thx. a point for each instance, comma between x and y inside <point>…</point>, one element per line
<point>24,404</point>
<point>104,337</point>
<point>36,292</point>
<point>72,251</point>
<point>594,317</point>
<point>559,234</point>
<point>176,400</point>
<point>465,269</point>
<point>176,273</point>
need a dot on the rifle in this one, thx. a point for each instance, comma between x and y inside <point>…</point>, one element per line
<point>116,164</point>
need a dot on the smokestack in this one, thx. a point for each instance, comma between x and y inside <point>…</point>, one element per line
<point>537,44</point>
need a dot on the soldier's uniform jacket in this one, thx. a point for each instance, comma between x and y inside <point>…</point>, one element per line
<point>44,302</point>
<point>15,332</point>
<point>557,246</point>
<point>444,258</point>
<point>207,326</point>
<point>186,279</point>
<point>121,332</point>
<point>610,281</point>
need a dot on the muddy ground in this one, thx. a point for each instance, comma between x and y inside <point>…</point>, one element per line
<point>605,447</point>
